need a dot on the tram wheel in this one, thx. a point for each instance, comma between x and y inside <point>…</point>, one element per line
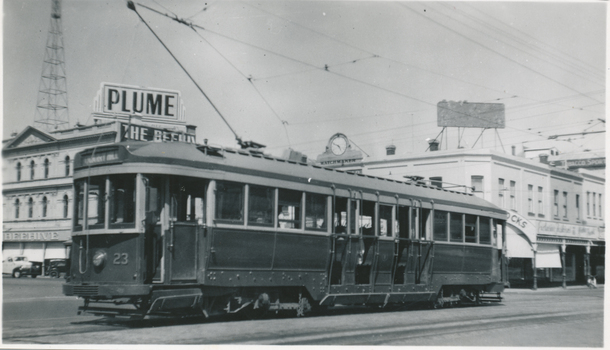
<point>259,309</point>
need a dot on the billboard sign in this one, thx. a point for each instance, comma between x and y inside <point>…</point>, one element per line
<point>470,115</point>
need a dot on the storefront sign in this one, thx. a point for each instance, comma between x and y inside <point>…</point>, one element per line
<point>569,230</point>
<point>146,133</point>
<point>35,236</point>
<point>150,104</point>
<point>523,225</point>
<point>580,163</point>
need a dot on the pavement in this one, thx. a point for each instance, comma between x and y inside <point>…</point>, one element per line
<point>547,289</point>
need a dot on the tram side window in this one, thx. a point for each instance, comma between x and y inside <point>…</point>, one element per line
<point>340,215</point>
<point>122,201</point>
<point>260,205</point>
<point>289,208</point>
<point>154,198</point>
<point>425,219</point>
<point>79,202</point>
<point>440,225</point>
<point>385,220</point>
<point>96,203</point>
<point>367,219</point>
<point>315,212</point>
<point>456,227</point>
<point>230,202</point>
<point>403,221</point>
<point>484,230</point>
<point>471,228</point>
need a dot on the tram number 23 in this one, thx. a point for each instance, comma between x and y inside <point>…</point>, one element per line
<point>121,259</point>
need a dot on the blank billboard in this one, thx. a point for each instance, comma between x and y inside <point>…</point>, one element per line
<point>470,115</point>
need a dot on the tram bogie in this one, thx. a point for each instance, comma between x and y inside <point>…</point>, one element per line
<point>176,229</point>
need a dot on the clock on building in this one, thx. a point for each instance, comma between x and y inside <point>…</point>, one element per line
<point>338,144</point>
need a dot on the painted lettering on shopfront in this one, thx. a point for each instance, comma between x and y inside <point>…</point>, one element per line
<point>559,229</point>
<point>517,220</point>
<point>31,236</point>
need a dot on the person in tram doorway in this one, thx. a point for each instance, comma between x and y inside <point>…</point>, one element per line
<point>591,282</point>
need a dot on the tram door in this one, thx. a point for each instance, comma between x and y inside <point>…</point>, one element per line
<point>414,252</point>
<point>347,242</point>
<point>187,215</point>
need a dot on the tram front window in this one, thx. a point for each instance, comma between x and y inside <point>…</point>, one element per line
<point>96,202</point>
<point>122,201</point>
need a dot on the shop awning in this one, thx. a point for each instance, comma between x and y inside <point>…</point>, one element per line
<point>548,256</point>
<point>517,245</point>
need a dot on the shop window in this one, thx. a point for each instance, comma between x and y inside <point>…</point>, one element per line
<point>46,168</point>
<point>67,164</point>
<point>440,226</point>
<point>470,228</point>
<point>315,212</point>
<point>484,230</point>
<point>44,207</point>
<point>32,167</point>
<point>456,227</point>
<point>65,205</point>
<point>261,201</point>
<point>229,202</point>
<point>385,220</point>
<point>17,208</point>
<point>30,208</point>
<point>289,208</point>
<point>19,171</point>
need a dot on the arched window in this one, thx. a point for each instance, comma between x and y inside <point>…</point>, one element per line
<point>67,165</point>
<point>44,207</point>
<point>32,166</point>
<point>17,208</point>
<point>65,206</point>
<point>46,168</point>
<point>19,171</point>
<point>30,207</point>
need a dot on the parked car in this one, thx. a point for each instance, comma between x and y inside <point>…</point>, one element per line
<point>55,267</point>
<point>18,266</point>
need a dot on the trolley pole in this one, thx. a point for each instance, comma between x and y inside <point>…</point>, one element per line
<point>563,265</point>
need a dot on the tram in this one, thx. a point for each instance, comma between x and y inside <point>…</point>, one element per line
<point>162,228</point>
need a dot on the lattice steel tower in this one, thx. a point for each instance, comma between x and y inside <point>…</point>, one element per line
<point>52,104</point>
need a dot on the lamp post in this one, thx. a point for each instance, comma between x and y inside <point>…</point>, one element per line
<point>563,264</point>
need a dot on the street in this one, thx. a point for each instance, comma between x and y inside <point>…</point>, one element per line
<point>35,311</point>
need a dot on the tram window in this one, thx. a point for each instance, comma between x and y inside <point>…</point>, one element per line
<point>471,228</point>
<point>187,199</point>
<point>315,212</point>
<point>353,214</point>
<point>340,215</point>
<point>79,202</point>
<point>260,205</point>
<point>289,208</point>
<point>424,225</point>
<point>122,201</point>
<point>403,221</point>
<point>96,203</point>
<point>484,230</point>
<point>385,220</point>
<point>230,202</point>
<point>367,219</point>
<point>456,227</point>
<point>440,226</point>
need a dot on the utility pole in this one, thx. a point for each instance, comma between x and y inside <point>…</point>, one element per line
<point>52,102</point>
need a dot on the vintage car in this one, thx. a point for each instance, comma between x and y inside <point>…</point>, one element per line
<point>18,266</point>
<point>55,267</point>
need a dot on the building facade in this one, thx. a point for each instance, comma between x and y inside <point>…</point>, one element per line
<point>555,227</point>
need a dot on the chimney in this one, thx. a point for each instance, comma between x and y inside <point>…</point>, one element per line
<point>514,150</point>
<point>433,145</point>
<point>390,150</point>
<point>544,158</point>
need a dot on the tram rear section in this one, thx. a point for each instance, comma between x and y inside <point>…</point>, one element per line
<point>238,232</point>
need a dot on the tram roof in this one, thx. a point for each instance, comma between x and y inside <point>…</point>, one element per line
<point>254,162</point>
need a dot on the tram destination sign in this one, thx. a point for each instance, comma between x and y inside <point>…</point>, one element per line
<point>150,134</point>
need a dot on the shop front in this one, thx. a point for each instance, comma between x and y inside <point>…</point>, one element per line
<point>36,245</point>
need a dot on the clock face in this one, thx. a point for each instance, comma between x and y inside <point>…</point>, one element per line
<point>338,145</point>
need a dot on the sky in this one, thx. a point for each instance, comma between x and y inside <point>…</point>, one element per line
<point>290,74</point>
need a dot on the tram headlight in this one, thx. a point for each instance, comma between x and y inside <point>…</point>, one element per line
<point>99,258</point>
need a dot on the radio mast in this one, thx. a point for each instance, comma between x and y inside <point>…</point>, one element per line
<point>52,102</point>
